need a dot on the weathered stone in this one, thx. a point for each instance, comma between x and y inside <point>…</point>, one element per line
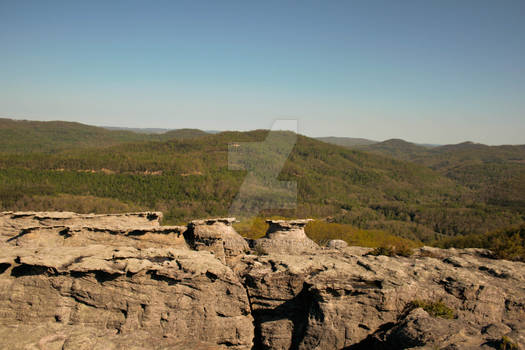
<point>419,329</point>
<point>122,287</point>
<point>170,295</point>
<point>21,219</point>
<point>217,236</point>
<point>285,237</point>
<point>54,229</point>
<point>336,244</point>
<point>331,300</point>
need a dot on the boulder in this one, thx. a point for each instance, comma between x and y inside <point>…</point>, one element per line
<point>336,244</point>
<point>285,237</point>
<point>216,236</point>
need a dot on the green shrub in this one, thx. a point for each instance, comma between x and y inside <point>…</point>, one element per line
<point>403,250</point>
<point>321,231</point>
<point>387,251</point>
<point>434,308</point>
<point>506,343</point>
<point>505,244</point>
<point>399,250</point>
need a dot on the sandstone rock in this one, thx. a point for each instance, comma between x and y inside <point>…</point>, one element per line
<point>331,300</point>
<point>21,220</point>
<point>285,237</point>
<point>76,236</point>
<point>336,244</point>
<point>217,236</point>
<point>496,330</point>
<point>121,287</point>
<point>167,294</point>
<point>53,229</point>
<point>419,329</point>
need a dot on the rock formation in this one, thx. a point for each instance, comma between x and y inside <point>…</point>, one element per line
<point>336,244</point>
<point>285,237</point>
<point>217,236</point>
<point>178,289</point>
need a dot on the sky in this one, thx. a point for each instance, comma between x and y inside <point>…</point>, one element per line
<point>426,71</point>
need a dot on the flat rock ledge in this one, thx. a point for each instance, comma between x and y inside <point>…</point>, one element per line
<point>73,281</point>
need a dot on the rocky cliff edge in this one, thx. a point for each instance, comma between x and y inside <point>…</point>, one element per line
<point>123,281</point>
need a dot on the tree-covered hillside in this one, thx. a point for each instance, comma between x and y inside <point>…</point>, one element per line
<point>347,141</point>
<point>397,148</point>
<point>189,178</point>
<point>23,136</point>
<point>495,174</point>
<point>506,243</point>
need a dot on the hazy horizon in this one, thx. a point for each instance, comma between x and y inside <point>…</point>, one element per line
<point>438,72</point>
<point>162,129</point>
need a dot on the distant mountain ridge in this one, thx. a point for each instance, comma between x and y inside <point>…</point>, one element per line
<point>165,134</point>
<point>347,141</point>
<point>397,148</point>
<point>360,142</point>
<point>496,173</point>
<point>21,136</point>
<point>138,130</point>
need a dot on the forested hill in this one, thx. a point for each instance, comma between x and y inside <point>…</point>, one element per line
<point>347,141</point>
<point>434,156</point>
<point>495,173</point>
<point>398,148</point>
<point>189,178</point>
<point>23,136</point>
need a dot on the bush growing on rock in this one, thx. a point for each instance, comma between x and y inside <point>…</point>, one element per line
<point>392,250</point>
<point>505,244</point>
<point>387,251</point>
<point>506,343</point>
<point>433,308</point>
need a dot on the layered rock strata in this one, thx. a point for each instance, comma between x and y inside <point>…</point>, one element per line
<point>203,288</point>
<point>54,229</point>
<point>124,297</point>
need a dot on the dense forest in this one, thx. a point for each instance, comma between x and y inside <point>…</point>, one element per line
<point>506,243</point>
<point>426,195</point>
<point>496,174</point>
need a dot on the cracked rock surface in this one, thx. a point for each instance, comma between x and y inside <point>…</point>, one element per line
<point>75,281</point>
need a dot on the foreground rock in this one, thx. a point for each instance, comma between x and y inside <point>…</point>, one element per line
<point>332,300</point>
<point>296,295</point>
<point>148,298</point>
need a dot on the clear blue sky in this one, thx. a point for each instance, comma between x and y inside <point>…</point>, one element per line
<point>426,71</point>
